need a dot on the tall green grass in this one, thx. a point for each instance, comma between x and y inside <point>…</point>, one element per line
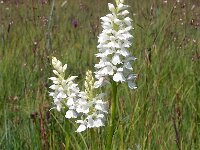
<point>163,113</point>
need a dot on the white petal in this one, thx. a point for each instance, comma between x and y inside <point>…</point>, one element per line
<point>131,85</point>
<point>127,36</point>
<point>56,72</point>
<point>61,95</point>
<point>71,78</point>
<point>130,59</point>
<point>54,60</point>
<point>81,128</point>
<point>126,44</point>
<point>70,101</point>
<point>105,19</point>
<point>118,77</point>
<point>131,76</point>
<point>108,31</point>
<point>128,28</point>
<point>108,70</point>
<point>64,67</point>
<point>117,21</point>
<point>128,65</point>
<point>102,107</point>
<point>122,7</point>
<point>98,123</point>
<point>121,37</point>
<point>98,83</point>
<point>120,69</point>
<point>90,122</point>
<point>112,44</point>
<point>128,20</point>
<point>70,114</point>
<point>111,16</point>
<point>54,87</point>
<point>53,78</point>
<point>111,7</point>
<point>58,107</point>
<point>101,116</point>
<point>125,12</point>
<point>51,94</point>
<point>116,59</point>
<point>99,107</point>
<point>83,108</point>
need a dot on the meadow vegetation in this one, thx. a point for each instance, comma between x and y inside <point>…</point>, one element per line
<point>162,113</point>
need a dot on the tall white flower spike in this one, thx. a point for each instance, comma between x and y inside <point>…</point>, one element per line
<point>114,42</point>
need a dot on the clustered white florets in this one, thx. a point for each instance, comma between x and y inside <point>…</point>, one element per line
<point>93,113</point>
<point>114,41</point>
<point>87,110</point>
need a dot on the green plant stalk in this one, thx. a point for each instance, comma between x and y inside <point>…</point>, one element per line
<point>197,117</point>
<point>67,137</point>
<point>93,139</point>
<point>112,122</point>
<point>121,137</point>
<point>49,28</point>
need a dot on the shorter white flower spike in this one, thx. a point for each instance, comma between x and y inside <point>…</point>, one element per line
<point>92,108</point>
<point>65,92</point>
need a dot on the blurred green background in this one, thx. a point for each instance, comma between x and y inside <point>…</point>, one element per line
<point>163,113</point>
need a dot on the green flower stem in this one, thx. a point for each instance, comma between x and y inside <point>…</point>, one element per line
<point>112,122</point>
<point>67,137</point>
<point>93,139</point>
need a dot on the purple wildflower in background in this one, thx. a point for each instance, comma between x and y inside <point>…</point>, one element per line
<point>75,23</point>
